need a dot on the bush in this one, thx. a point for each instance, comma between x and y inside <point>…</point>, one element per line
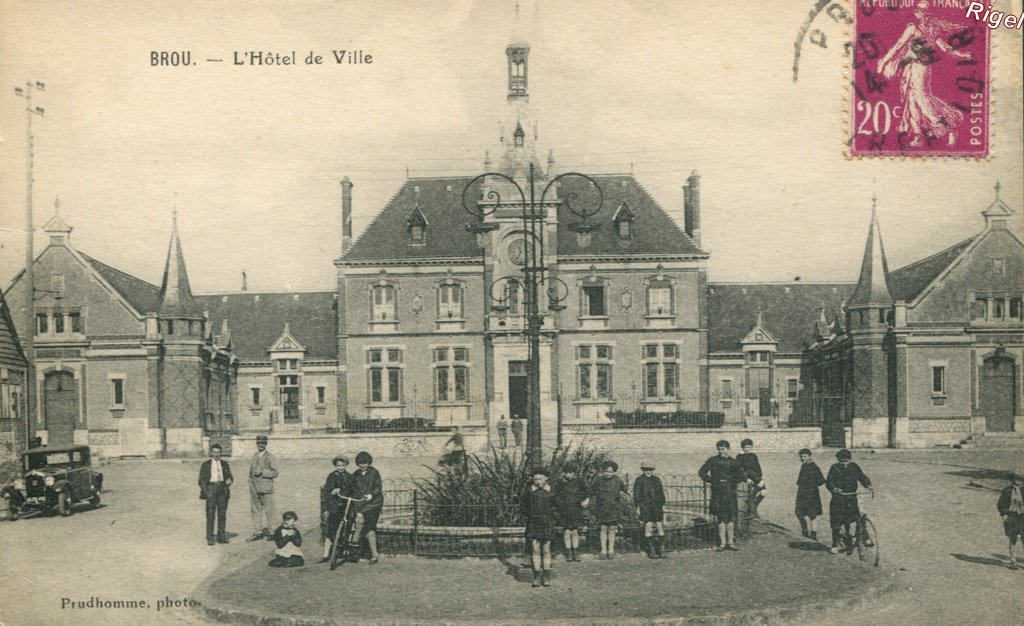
<point>487,489</point>
<point>674,419</point>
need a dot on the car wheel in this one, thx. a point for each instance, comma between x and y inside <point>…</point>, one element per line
<point>95,500</point>
<point>12,513</point>
<point>64,504</point>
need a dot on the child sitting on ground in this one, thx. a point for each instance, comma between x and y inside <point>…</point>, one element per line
<point>1011,509</point>
<point>287,539</point>
<point>808,500</point>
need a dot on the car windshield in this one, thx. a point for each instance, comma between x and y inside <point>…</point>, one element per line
<point>53,459</point>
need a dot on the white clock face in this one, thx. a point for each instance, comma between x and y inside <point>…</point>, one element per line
<point>517,252</point>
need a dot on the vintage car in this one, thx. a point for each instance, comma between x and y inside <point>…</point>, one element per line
<point>53,479</point>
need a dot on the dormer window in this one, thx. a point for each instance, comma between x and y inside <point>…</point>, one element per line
<point>519,136</point>
<point>416,225</point>
<point>623,220</point>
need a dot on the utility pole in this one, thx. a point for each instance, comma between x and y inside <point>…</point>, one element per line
<point>30,290</point>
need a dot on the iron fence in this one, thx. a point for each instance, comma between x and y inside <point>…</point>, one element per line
<point>410,524</point>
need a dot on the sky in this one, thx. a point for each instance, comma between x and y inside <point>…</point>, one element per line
<point>251,156</point>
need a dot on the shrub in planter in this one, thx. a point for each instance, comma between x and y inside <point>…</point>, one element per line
<point>487,489</point>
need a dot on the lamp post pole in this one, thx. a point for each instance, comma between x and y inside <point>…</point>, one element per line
<point>535,273</point>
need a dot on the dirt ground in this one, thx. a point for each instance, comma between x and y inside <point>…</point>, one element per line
<point>939,535</point>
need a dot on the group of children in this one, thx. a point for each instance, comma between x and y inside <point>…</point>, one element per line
<point>545,506</point>
<point>364,486</point>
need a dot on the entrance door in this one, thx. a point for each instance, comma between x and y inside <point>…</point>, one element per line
<point>60,408</point>
<point>764,402</point>
<point>995,387</point>
<point>518,391</point>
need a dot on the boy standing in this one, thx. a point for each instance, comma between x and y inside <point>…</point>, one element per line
<point>808,500</point>
<point>724,474</point>
<point>571,499</point>
<point>608,490</point>
<point>751,468</point>
<point>1011,509</point>
<point>539,511</point>
<point>649,498</point>
<point>842,481</point>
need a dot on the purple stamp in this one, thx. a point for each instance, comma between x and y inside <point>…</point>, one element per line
<point>921,80</point>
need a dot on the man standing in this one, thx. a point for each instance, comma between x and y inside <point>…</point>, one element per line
<point>262,472</point>
<point>214,484</point>
<point>517,430</point>
<point>503,432</point>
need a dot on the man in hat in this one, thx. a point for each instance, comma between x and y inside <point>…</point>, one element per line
<point>262,472</point>
<point>649,498</point>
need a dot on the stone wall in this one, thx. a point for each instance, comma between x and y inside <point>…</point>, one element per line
<point>670,440</point>
<point>377,444</point>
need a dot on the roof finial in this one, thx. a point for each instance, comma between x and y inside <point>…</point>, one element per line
<point>874,200</point>
<point>517,10</point>
<point>56,204</point>
<point>998,187</point>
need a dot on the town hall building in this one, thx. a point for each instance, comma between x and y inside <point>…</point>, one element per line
<point>426,326</point>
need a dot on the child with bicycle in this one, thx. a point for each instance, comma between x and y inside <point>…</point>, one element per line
<point>750,465</point>
<point>1011,509</point>
<point>332,506</point>
<point>368,486</point>
<point>843,510</point>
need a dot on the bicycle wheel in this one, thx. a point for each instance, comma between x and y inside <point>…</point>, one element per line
<point>339,549</point>
<point>867,541</point>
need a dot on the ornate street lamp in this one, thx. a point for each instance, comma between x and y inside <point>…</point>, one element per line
<point>536,276</point>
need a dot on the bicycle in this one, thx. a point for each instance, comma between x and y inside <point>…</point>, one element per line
<point>865,537</point>
<point>340,550</point>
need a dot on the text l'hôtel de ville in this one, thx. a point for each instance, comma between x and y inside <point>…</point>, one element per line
<point>266,58</point>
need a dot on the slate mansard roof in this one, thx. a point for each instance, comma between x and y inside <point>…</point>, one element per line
<point>256,320</point>
<point>440,201</point>
<point>790,311</point>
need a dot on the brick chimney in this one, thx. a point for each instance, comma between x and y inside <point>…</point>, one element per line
<point>346,215</point>
<point>691,207</point>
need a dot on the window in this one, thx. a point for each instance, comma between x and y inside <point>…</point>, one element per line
<point>58,322</point>
<point>416,232</point>
<point>659,298</point>
<point>760,357</point>
<point>660,371</point>
<point>726,388</point>
<point>385,375</point>
<point>449,301</point>
<point>117,392</point>
<point>321,394</point>
<point>383,308</point>
<point>792,388</point>
<point>75,318</point>
<point>170,327</point>
<point>998,306</point>
<point>998,266</point>
<point>255,391</point>
<point>1015,308</point>
<point>594,372</point>
<point>287,364</point>
<point>979,309</point>
<point>592,303</point>
<point>624,228</point>
<point>938,380</point>
<point>451,374</point>
<point>42,324</point>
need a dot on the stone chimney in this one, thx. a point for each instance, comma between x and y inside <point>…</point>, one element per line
<point>691,207</point>
<point>346,215</point>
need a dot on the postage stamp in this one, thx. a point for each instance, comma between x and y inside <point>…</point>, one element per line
<point>921,71</point>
